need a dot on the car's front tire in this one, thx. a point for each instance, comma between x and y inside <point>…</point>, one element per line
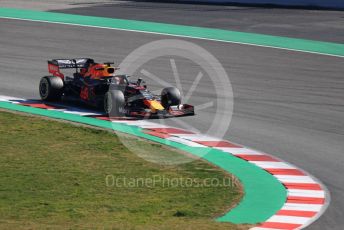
<point>170,96</point>
<point>114,103</point>
<point>51,88</point>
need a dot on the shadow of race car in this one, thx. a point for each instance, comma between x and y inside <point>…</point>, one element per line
<point>97,85</point>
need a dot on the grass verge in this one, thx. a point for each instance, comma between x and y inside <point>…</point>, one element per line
<point>56,175</point>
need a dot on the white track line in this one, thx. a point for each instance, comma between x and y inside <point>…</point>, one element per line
<point>173,35</point>
<point>306,193</point>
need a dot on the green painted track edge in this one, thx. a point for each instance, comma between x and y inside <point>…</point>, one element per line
<point>264,195</point>
<point>311,46</point>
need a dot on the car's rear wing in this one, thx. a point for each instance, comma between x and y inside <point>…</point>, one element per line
<point>71,63</point>
<point>55,65</point>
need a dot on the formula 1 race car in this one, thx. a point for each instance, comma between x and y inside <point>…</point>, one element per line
<point>96,85</point>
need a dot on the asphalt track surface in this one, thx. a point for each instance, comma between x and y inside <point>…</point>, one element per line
<point>286,103</point>
<point>297,23</point>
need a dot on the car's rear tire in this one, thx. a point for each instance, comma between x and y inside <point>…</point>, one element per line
<point>114,103</point>
<point>170,96</point>
<point>51,88</point>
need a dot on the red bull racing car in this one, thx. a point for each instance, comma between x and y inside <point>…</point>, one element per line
<point>97,85</point>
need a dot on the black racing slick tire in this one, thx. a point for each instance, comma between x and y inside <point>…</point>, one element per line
<point>170,96</point>
<point>114,103</point>
<point>51,88</point>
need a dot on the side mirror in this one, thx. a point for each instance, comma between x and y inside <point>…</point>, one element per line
<point>139,81</point>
